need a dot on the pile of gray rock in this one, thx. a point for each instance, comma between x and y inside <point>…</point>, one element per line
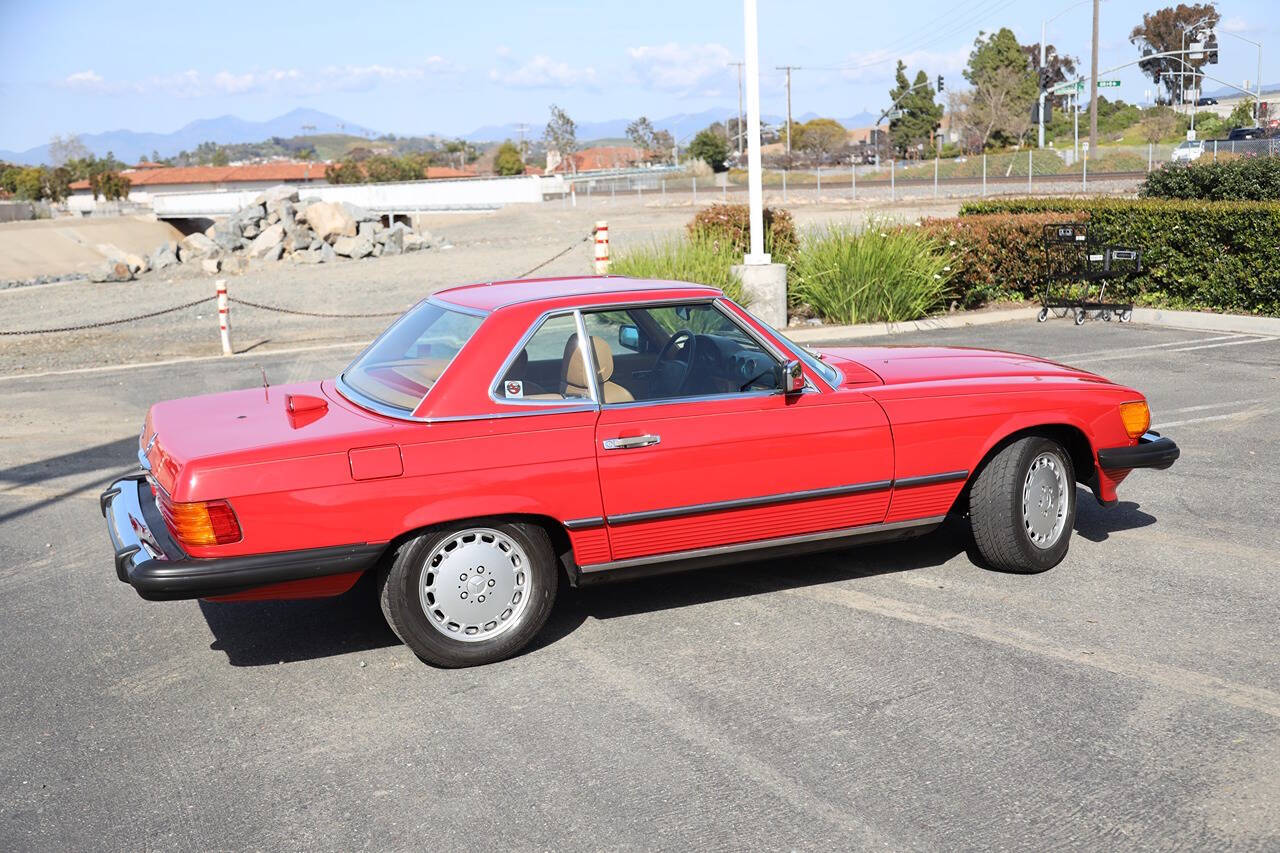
<point>275,226</point>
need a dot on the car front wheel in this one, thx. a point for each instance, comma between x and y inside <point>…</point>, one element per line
<point>1022,506</point>
<point>470,594</point>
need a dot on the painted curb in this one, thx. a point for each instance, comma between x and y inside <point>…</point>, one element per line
<point>1197,320</point>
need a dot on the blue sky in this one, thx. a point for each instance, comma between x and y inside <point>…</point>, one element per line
<point>71,67</point>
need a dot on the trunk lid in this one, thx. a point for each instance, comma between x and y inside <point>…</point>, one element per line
<point>244,427</point>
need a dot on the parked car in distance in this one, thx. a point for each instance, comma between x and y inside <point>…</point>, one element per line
<point>1206,102</point>
<point>500,437</point>
<point>1187,151</point>
<point>1239,133</point>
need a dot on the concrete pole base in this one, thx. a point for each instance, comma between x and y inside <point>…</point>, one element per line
<point>765,286</point>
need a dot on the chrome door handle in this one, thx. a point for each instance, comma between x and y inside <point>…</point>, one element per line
<point>631,441</point>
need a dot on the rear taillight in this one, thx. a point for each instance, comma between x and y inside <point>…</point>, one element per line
<point>202,523</point>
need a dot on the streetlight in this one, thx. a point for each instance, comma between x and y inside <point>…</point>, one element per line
<point>1044,25</point>
<point>1257,102</point>
<point>1182,73</point>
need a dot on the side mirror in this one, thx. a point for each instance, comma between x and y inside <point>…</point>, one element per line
<point>629,337</point>
<point>792,377</point>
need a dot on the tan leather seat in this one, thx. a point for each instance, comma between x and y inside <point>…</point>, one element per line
<point>573,373</point>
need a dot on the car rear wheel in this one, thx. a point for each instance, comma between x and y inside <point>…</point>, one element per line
<point>470,594</point>
<point>1022,506</point>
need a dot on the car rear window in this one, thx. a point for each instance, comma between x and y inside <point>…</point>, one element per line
<point>400,367</point>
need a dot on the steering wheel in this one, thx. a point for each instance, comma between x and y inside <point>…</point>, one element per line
<point>669,374</point>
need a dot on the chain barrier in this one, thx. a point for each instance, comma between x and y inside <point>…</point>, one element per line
<point>557,256</point>
<point>103,323</point>
<point>260,306</point>
<point>300,313</point>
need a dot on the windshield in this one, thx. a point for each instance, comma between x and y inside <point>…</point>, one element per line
<point>826,371</point>
<point>406,360</point>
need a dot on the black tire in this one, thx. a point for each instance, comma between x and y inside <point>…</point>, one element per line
<point>1001,533</point>
<point>398,593</point>
<point>1043,315</point>
<point>1079,316</point>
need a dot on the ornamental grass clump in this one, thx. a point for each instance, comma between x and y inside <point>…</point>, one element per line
<point>881,274</point>
<point>696,258</point>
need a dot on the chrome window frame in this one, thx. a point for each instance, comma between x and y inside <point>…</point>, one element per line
<point>715,303</point>
<point>364,401</point>
<point>794,349</point>
<point>550,405</point>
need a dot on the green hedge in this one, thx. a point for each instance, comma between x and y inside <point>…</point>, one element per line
<point>1232,178</point>
<point>1217,255</point>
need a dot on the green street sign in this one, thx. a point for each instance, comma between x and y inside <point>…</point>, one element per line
<point>1108,84</point>
<point>1079,85</point>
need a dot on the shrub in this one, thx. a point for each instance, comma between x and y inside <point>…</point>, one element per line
<point>727,224</point>
<point>995,256</point>
<point>1234,179</point>
<point>889,274</point>
<point>1218,255</point>
<point>696,258</point>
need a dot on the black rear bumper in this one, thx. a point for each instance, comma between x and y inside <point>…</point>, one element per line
<point>1152,451</point>
<point>148,559</point>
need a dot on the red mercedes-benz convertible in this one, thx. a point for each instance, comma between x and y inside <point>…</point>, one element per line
<point>499,436</point>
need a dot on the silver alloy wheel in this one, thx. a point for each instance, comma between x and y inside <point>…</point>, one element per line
<point>475,584</point>
<point>1045,500</point>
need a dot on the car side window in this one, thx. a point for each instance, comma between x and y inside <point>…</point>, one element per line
<point>549,367</point>
<point>670,352</point>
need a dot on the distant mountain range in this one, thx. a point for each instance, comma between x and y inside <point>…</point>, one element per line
<point>132,146</point>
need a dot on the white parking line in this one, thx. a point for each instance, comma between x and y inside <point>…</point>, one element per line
<point>1145,346</point>
<point>1231,344</point>
<point>1202,408</point>
<point>1229,341</point>
<point>1229,416</point>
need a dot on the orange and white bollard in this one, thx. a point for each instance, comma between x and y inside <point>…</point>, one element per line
<point>602,248</point>
<point>224,316</point>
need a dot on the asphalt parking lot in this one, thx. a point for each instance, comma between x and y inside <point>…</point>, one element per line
<point>896,696</point>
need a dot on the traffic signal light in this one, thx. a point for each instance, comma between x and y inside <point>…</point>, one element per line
<point>940,86</point>
<point>1045,78</point>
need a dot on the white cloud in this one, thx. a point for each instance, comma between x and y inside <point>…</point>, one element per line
<point>683,69</point>
<point>84,81</point>
<point>287,81</point>
<point>1234,25</point>
<point>542,72</point>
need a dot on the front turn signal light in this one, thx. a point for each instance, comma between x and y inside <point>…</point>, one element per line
<point>204,523</point>
<point>1136,417</point>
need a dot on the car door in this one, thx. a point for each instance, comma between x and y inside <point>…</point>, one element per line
<point>718,462</point>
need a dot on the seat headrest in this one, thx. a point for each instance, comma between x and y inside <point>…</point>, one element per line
<point>575,372</point>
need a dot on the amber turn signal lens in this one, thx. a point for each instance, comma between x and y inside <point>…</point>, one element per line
<point>204,523</point>
<point>1136,417</point>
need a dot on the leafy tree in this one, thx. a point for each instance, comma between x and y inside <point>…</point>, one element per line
<point>508,160</point>
<point>1162,31</point>
<point>1242,115</point>
<point>561,134</point>
<point>220,158</point>
<point>1004,87</point>
<point>642,134</point>
<point>709,146</point>
<point>819,137</point>
<point>112,186</point>
<point>921,116</point>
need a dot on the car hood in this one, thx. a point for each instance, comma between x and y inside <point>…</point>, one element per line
<point>183,438</point>
<point>906,365</point>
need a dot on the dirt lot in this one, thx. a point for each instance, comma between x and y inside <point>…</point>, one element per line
<point>485,246</point>
<point>896,696</point>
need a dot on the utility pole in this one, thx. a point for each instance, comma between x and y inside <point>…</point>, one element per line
<point>522,129</point>
<point>788,69</point>
<point>1093,84</point>
<point>740,128</point>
